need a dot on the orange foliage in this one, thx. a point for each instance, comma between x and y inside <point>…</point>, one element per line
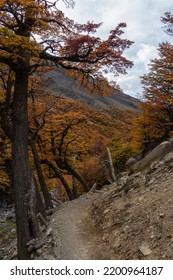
<point>88,133</point>
<point>61,41</point>
<point>156,121</point>
<point>34,35</point>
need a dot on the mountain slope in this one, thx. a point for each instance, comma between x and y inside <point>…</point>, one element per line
<point>62,85</point>
<point>130,219</point>
<point>134,215</point>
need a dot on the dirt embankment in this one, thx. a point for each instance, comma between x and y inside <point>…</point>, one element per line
<point>130,219</point>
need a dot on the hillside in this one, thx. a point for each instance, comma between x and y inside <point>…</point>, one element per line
<point>134,216</point>
<point>130,219</point>
<point>96,128</point>
<point>105,120</point>
<point>62,85</point>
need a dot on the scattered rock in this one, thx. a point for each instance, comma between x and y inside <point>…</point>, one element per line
<point>14,256</point>
<point>162,215</point>
<point>142,212</point>
<point>48,257</point>
<point>106,211</point>
<point>39,244</point>
<point>119,218</point>
<point>9,216</point>
<point>30,248</point>
<point>130,163</point>
<point>49,231</point>
<point>32,256</point>
<point>122,181</point>
<point>145,250</point>
<point>31,242</point>
<point>50,212</point>
<point>39,252</point>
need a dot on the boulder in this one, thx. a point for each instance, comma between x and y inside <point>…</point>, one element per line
<point>155,155</point>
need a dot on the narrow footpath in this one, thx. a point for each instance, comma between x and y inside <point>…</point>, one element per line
<point>73,235</point>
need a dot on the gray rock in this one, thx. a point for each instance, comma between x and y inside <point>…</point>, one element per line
<point>156,154</point>
<point>39,244</point>
<point>145,250</point>
<point>106,210</point>
<point>32,256</point>
<point>39,252</point>
<point>30,248</point>
<point>123,174</point>
<point>31,242</point>
<point>122,181</point>
<point>106,187</point>
<point>130,161</point>
<point>49,231</point>
<point>9,216</point>
<point>47,257</point>
<point>14,255</point>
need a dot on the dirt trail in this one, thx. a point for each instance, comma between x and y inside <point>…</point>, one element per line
<point>73,241</point>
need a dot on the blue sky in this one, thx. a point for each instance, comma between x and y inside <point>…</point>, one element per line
<point>144,27</point>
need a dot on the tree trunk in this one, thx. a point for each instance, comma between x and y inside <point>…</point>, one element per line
<point>111,165</point>
<point>73,172</point>
<point>23,179</point>
<point>75,191</point>
<point>47,198</point>
<point>8,166</point>
<point>40,206</point>
<point>63,181</point>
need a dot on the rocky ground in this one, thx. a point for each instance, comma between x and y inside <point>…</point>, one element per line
<point>7,233</point>
<point>137,224</point>
<point>130,219</point>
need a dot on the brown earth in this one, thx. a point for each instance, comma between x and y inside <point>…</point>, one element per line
<point>73,237</point>
<point>130,219</point>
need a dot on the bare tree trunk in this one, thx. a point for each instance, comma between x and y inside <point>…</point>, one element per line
<point>8,166</point>
<point>77,176</point>
<point>111,165</point>
<point>60,176</point>
<point>75,191</point>
<point>47,198</point>
<point>40,206</point>
<point>107,175</point>
<point>23,179</point>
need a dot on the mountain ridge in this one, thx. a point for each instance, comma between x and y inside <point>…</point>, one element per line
<point>62,85</point>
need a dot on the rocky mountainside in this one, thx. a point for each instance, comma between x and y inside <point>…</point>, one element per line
<point>129,219</point>
<point>62,85</point>
<point>134,216</point>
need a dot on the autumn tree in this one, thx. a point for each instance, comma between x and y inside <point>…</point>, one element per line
<point>156,120</point>
<point>61,136</point>
<point>33,33</point>
<point>167,19</point>
<point>33,133</point>
<point>43,126</point>
<point>158,93</point>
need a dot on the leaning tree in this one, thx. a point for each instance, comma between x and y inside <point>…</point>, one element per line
<point>35,34</point>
